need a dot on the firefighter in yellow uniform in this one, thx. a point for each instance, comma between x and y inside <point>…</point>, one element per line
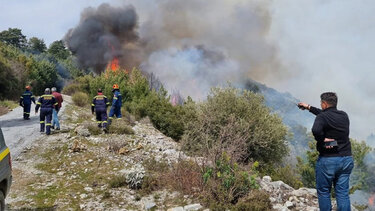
<point>47,102</point>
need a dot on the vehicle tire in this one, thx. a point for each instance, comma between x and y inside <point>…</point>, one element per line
<point>2,201</point>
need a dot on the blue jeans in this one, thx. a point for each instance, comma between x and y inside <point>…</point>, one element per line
<point>336,171</point>
<point>55,119</point>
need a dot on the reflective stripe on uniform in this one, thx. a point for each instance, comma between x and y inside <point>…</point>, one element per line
<point>4,153</point>
<point>39,103</point>
<point>48,124</point>
<point>21,97</point>
<point>92,104</point>
<point>107,103</point>
<point>105,122</point>
<point>41,121</point>
<point>56,103</point>
<point>98,121</point>
<point>115,98</point>
<point>110,117</point>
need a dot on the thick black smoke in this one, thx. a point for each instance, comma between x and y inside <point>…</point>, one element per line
<point>102,34</point>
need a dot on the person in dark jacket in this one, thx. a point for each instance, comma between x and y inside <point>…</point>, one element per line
<point>99,105</point>
<point>116,103</point>
<point>25,101</point>
<point>47,102</point>
<point>335,162</point>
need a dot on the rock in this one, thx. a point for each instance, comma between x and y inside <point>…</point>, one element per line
<point>288,204</point>
<point>176,209</point>
<point>280,207</point>
<point>80,130</point>
<point>192,207</point>
<point>82,206</point>
<point>73,163</point>
<point>88,189</point>
<point>83,196</point>
<point>267,179</point>
<point>60,173</point>
<point>90,160</point>
<point>149,205</point>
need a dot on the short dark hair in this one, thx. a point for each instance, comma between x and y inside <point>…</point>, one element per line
<point>330,98</point>
<point>100,90</point>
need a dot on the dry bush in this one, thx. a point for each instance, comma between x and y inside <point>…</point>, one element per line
<point>256,200</point>
<point>120,126</point>
<point>94,129</point>
<point>71,89</point>
<point>80,99</point>
<point>115,146</point>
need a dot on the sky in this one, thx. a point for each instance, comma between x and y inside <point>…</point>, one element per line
<point>322,45</point>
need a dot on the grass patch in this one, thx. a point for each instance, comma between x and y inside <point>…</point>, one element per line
<point>117,181</point>
<point>9,104</point>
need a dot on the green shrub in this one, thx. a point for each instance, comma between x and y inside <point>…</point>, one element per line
<point>286,173</point>
<point>227,182</point>
<point>80,99</point>
<point>306,168</point>
<point>239,123</point>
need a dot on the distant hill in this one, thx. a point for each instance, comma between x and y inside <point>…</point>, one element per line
<point>285,105</point>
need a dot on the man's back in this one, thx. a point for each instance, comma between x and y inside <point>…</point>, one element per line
<point>58,97</point>
<point>334,124</point>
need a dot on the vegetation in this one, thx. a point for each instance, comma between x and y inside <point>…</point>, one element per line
<point>31,63</point>
<point>236,122</point>
<point>360,177</point>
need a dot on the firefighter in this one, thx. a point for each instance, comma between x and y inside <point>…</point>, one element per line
<point>100,104</point>
<point>116,103</point>
<point>25,101</point>
<point>47,102</point>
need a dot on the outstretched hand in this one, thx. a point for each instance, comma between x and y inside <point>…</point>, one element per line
<point>303,106</point>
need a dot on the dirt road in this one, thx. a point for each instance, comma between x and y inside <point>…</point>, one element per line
<point>20,133</point>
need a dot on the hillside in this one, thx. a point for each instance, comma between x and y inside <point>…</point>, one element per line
<point>81,168</point>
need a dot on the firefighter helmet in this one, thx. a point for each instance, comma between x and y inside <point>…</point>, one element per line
<point>28,87</point>
<point>115,86</point>
<point>47,91</point>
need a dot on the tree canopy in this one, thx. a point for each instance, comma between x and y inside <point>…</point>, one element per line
<point>36,45</point>
<point>13,36</point>
<point>58,50</point>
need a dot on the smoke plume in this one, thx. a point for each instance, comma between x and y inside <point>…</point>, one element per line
<point>104,33</point>
<point>193,45</point>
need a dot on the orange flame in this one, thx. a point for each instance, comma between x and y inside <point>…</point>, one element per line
<point>371,200</point>
<point>113,65</point>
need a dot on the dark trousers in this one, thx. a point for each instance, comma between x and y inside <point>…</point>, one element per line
<point>115,110</point>
<point>26,111</point>
<point>101,117</point>
<point>45,119</point>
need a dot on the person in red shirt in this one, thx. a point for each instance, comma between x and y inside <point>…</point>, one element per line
<point>59,99</point>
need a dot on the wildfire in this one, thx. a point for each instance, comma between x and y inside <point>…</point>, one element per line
<point>113,65</point>
<point>371,200</point>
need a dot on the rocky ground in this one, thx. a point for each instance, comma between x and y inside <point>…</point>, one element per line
<point>80,168</point>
